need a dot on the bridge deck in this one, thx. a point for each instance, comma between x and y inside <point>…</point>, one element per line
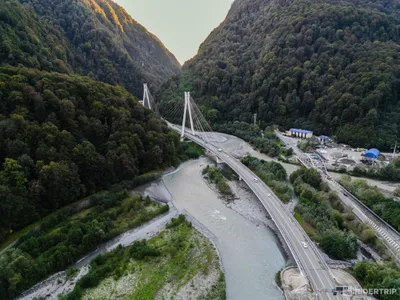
<point>309,260</point>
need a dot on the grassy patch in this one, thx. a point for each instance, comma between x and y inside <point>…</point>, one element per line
<point>192,150</point>
<point>278,278</point>
<point>308,228</point>
<point>160,266</point>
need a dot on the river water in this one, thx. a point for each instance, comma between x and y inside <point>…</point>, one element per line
<point>250,251</point>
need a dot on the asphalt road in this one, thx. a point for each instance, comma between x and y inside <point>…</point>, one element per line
<point>308,258</point>
<point>390,236</point>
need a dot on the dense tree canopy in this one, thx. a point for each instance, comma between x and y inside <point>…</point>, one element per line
<point>387,208</point>
<point>316,208</point>
<point>95,38</point>
<point>382,276</point>
<point>63,137</point>
<point>329,66</point>
<point>67,235</point>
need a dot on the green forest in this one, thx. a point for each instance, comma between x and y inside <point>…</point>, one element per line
<point>376,275</point>
<point>67,236</point>
<point>331,67</point>
<point>63,137</point>
<point>321,220</point>
<point>93,38</point>
<point>387,208</point>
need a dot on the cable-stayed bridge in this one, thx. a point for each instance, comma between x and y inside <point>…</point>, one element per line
<point>195,127</point>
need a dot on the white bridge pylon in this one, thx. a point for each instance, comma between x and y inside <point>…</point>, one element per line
<point>173,112</point>
<point>187,108</point>
<point>146,97</point>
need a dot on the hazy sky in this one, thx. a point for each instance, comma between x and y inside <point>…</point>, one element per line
<point>182,25</point>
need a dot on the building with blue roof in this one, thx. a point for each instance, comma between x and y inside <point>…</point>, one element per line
<point>301,133</point>
<point>372,153</point>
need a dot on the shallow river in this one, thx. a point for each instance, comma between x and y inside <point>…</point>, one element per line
<point>250,252</point>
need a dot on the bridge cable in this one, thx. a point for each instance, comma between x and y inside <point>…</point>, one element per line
<point>206,125</point>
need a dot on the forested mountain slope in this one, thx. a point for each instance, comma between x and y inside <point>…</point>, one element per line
<point>63,137</point>
<point>88,37</point>
<point>329,66</point>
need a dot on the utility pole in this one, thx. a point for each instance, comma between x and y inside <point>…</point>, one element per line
<point>255,118</point>
<point>394,151</point>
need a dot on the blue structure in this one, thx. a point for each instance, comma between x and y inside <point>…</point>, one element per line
<point>301,133</point>
<point>372,153</point>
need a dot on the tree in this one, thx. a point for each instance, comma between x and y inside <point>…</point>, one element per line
<point>17,269</point>
<point>323,74</point>
<point>339,245</point>
<point>88,136</point>
<point>59,184</point>
<point>13,194</point>
<point>397,192</point>
<point>312,177</point>
<point>368,236</point>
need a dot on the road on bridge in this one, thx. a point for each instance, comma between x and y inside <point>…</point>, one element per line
<point>308,259</point>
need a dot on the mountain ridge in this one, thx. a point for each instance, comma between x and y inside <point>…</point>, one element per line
<point>329,66</point>
<point>95,38</point>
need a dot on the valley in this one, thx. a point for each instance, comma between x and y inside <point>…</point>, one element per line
<point>124,175</point>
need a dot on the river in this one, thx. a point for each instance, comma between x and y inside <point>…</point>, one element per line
<point>250,251</point>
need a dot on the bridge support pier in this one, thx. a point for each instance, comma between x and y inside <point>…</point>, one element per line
<point>146,98</point>
<point>187,109</point>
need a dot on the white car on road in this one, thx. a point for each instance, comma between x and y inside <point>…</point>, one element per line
<point>304,244</point>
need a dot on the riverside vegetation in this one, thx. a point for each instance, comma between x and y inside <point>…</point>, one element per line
<point>327,221</point>
<point>387,208</point>
<point>66,236</point>
<point>320,220</point>
<point>316,213</point>
<point>390,172</point>
<point>168,264</point>
<point>273,174</point>
<point>374,275</point>
<point>215,176</point>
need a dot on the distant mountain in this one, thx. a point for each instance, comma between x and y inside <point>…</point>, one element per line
<point>88,37</point>
<point>329,66</point>
<point>64,136</point>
